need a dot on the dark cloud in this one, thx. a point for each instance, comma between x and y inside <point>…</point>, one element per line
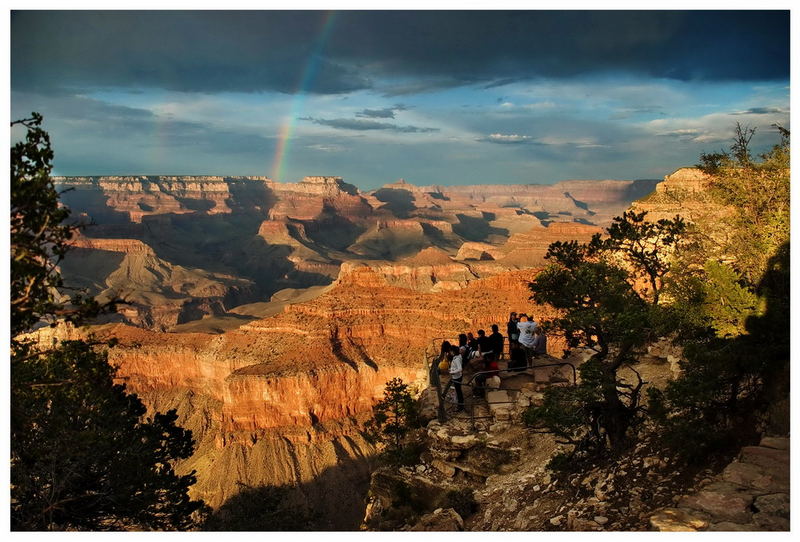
<point>387,113</point>
<point>365,125</point>
<point>760,111</point>
<point>183,51</point>
<point>95,137</point>
<point>394,52</point>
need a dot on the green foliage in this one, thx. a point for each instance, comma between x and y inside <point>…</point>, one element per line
<point>39,235</point>
<point>394,419</point>
<point>562,412</point>
<point>593,286</point>
<point>578,415</point>
<point>646,247</point>
<point>83,456</point>
<point>758,190</point>
<point>727,303</point>
<point>730,380</point>
<point>713,406</point>
<point>600,307</point>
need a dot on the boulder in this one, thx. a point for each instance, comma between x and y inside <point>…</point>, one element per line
<point>448,469</point>
<point>776,504</point>
<point>778,443</point>
<point>678,519</point>
<point>723,501</point>
<point>767,522</point>
<point>775,461</point>
<point>440,519</point>
<point>753,476</point>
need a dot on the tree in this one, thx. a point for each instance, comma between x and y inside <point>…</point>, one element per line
<point>758,191</point>
<point>736,377</point>
<point>646,247</point>
<point>83,454</point>
<point>603,310</point>
<point>395,417</point>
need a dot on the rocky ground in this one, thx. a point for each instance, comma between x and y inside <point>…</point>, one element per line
<point>751,494</point>
<point>488,474</point>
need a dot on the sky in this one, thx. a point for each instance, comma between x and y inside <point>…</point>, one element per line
<point>434,97</point>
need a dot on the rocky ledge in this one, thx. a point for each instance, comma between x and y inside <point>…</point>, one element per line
<point>751,494</point>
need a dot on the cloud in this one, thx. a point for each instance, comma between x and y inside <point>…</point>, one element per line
<point>322,147</point>
<point>506,139</point>
<point>685,133</point>
<point>760,111</point>
<point>718,127</point>
<point>581,142</point>
<point>91,136</point>
<point>385,113</point>
<point>366,125</point>
<point>310,51</point>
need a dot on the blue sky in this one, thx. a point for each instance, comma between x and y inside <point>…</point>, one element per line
<point>433,97</point>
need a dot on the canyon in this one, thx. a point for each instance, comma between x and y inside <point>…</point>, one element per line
<point>180,249</point>
<point>271,315</point>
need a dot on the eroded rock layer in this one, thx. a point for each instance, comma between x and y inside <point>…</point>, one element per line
<point>254,237</point>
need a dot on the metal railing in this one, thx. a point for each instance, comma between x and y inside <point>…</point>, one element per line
<point>433,361</point>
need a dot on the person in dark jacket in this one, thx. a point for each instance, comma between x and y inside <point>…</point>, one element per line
<point>472,342</point>
<point>497,341</point>
<point>511,328</point>
<point>484,344</point>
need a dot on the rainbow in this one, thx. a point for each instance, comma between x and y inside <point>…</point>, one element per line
<point>299,98</point>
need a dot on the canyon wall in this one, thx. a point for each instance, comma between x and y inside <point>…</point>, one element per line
<point>281,400</point>
<point>181,249</point>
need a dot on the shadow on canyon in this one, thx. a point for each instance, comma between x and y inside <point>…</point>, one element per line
<point>477,229</point>
<point>333,501</point>
<point>397,200</point>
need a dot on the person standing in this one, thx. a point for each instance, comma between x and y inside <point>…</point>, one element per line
<point>484,344</point>
<point>497,341</point>
<point>526,327</point>
<point>456,374</point>
<point>511,328</point>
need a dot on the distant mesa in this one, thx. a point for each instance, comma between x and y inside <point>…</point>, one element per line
<point>199,246</point>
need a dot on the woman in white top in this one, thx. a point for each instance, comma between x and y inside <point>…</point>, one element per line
<point>526,327</point>
<point>456,373</point>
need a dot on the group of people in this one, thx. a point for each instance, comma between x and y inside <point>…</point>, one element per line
<point>481,353</point>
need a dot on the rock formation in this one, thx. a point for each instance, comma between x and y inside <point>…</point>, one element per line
<point>254,237</point>
<point>281,399</point>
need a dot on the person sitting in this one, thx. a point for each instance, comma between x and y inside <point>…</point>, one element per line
<point>497,341</point>
<point>489,369</point>
<point>539,347</point>
<point>517,360</point>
